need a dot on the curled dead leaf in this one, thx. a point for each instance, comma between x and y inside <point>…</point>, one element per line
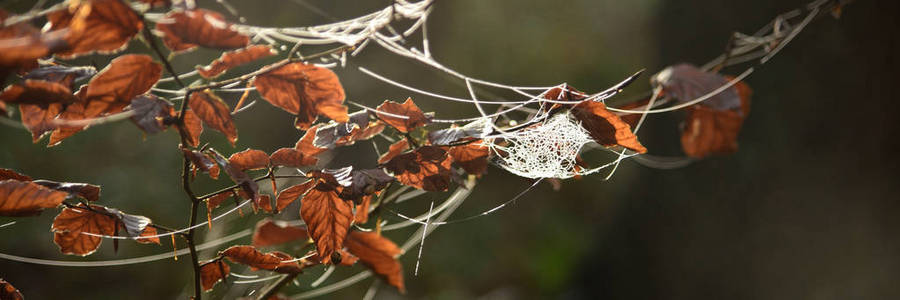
<point>103,26</point>
<point>20,198</point>
<point>379,254</point>
<point>304,90</point>
<point>214,112</point>
<point>185,30</point>
<point>404,117</point>
<point>269,232</point>
<point>235,58</point>
<point>427,168</point>
<point>212,272</point>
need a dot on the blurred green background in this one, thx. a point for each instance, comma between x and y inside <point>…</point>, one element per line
<point>806,209</point>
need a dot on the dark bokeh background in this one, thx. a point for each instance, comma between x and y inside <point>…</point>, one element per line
<point>806,209</point>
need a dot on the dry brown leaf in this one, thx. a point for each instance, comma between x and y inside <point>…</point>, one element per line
<point>71,222</point>
<point>193,128</point>
<point>269,232</point>
<point>472,157</point>
<point>605,127</point>
<point>291,194</point>
<point>272,261</point>
<point>214,112</point>
<point>327,217</point>
<point>304,90</point>
<point>250,159</point>
<point>427,168</point>
<point>103,26</point>
<point>38,92</point>
<point>390,110</point>
<point>185,30</point>
<point>18,198</point>
<point>212,272</point>
<point>115,86</point>
<point>235,58</point>
<point>379,254</point>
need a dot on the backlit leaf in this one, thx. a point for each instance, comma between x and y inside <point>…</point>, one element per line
<point>327,217</point>
<point>272,261</point>
<point>472,157</point>
<point>37,120</point>
<point>361,216</point>
<point>10,174</point>
<point>71,222</point>
<point>426,168</point>
<point>193,128</point>
<point>115,86</point>
<point>202,162</point>
<point>18,198</point>
<point>250,159</point>
<point>269,232</point>
<point>390,112</point>
<point>379,254</point>
<point>364,183</point>
<point>212,272</point>
<point>291,194</point>
<point>104,26</point>
<point>605,127</point>
<point>38,92</point>
<point>235,58</point>
<point>21,45</point>
<point>304,90</point>
<point>290,157</point>
<point>394,150</point>
<point>74,112</point>
<point>215,113</point>
<point>185,30</point>
<point>686,82</point>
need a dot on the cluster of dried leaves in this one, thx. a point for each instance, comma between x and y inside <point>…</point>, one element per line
<point>332,201</point>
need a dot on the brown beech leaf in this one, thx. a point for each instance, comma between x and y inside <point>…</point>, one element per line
<point>185,30</point>
<point>104,26</point>
<point>304,90</point>
<point>427,168</point>
<point>71,222</point>
<point>291,194</point>
<point>202,162</point>
<point>149,231</point>
<point>214,112</point>
<point>9,292</point>
<point>272,261</point>
<point>37,120</point>
<point>472,157</point>
<point>250,159</point>
<point>193,127</point>
<point>327,217</point>
<point>217,199</point>
<point>21,45</point>
<point>335,134</point>
<point>263,202</point>
<point>235,58</point>
<point>389,112</point>
<point>394,150</point>
<point>709,131</point>
<point>38,92</point>
<point>290,157</point>
<point>87,191</point>
<point>150,113</point>
<point>605,127</point>
<point>61,74</point>
<point>10,174</point>
<point>379,254</point>
<point>270,232</point>
<point>306,144</point>
<point>19,198</point>
<point>74,112</point>
<point>247,185</point>
<point>115,86</point>
<point>212,272</point>
<point>361,216</point>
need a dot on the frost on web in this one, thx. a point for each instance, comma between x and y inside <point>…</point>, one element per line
<point>547,150</point>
